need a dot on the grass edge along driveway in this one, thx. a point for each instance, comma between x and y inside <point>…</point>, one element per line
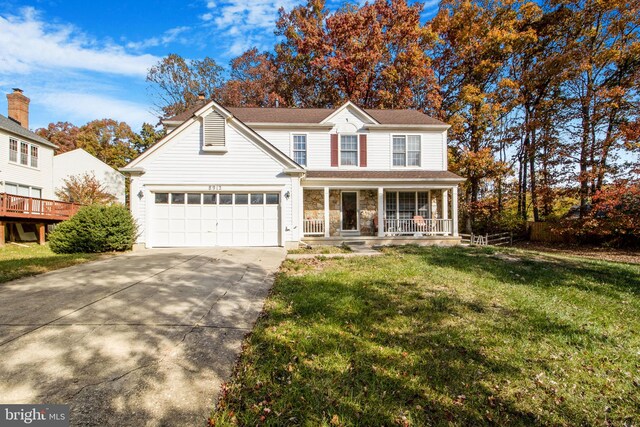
<point>17,261</point>
<point>431,336</point>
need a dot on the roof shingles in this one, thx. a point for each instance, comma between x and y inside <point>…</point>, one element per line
<point>313,115</point>
<point>13,127</point>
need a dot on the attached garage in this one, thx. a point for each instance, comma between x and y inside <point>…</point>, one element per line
<point>215,219</point>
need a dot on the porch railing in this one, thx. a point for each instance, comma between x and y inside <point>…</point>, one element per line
<point>411,227</point>
<point>314,227</point>
<point>14,206</point>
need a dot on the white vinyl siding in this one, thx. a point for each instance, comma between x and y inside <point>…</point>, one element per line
<point>13,171</point>
<point>214,130</point>
<point>180,163</point>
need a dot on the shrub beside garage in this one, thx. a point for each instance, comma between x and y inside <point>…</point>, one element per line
<point>95,228</point>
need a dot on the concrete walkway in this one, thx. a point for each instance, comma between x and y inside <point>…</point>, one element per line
<point>140,339</point>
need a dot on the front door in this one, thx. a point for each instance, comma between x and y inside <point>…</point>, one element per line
<point>349,210</point>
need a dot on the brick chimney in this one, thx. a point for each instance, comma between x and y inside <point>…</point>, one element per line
<point>19,107</point>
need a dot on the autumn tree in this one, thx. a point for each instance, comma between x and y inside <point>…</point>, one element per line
<point>109,140</point>
<point>63,134</point>
<point>147,137</point>
<point>177,83</point>
<point>253,81</point>
<point>84,189</point>
<point>476,42</point>
<point>603,88</point>
<point>373,55</point>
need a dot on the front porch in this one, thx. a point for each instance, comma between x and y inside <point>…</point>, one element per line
<point>380,214</point>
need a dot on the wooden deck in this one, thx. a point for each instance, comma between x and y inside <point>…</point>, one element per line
<point>15,208</point>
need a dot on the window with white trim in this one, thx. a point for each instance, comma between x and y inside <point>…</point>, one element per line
<point>406,150</point>
<point>34,156</point>
<point>348,150</point>
<point>300,149</point>
<point>24,153</point>
<point>13,150</point>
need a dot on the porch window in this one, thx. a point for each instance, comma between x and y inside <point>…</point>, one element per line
<point>300,149</point>
<point>406,204</point>
<point>348,150</point>
<point>13,150</point>
<point>406,150</point>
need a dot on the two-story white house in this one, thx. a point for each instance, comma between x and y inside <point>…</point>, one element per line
<point>278,177</point>
<point>30,174</point>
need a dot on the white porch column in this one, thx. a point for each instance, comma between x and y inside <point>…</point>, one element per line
<point>301,217</point>
<point>326,212</point>
<point>454,210</point>
<point>380,212</point>
<point>445,204</point>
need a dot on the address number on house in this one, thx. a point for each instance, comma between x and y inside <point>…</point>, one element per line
<point>215,187</point>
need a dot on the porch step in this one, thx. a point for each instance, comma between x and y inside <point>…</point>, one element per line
<point>355,242</point>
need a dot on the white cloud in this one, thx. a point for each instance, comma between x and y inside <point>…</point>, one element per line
<point>83,107</point>
<point>169,36</point>
<point>28,44</point>
<point>248,23</point>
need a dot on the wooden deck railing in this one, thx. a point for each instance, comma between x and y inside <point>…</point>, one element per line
<point>13,206</point>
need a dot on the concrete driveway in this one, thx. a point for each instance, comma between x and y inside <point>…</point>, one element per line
<point>144,338</point>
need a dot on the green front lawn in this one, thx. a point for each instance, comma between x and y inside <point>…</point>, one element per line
<point>19,261</point>
<point>437,336</point>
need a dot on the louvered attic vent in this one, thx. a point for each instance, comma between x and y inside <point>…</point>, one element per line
<point>214,125</point>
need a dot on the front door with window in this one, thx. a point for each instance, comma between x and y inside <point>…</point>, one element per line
<point>349,211</point>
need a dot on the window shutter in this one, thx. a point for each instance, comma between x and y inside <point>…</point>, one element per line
<point>334,149</point>
<point>363,151</point>
<point>214,130</point>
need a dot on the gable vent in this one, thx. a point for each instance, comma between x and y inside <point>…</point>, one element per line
<point>214,130</point>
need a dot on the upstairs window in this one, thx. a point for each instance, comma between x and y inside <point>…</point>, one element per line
<point>300,149</point>
<point>13,150</point>
<point>34,156</point>
<point>406,150</point>
<point>24,153</point>
<point>348,150</point>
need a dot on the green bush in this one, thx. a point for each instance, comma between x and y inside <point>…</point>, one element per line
<point>95,229</point>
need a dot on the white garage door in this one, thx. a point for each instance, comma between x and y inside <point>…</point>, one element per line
<point>215,219</point>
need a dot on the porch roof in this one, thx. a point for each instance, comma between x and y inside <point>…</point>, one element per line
<point>395,175</point>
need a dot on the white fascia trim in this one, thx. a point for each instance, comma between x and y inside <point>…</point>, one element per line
<point>407,127</point>
<point>346,105</point>
<point>289,125</point>
<point>435,180</point>
<point>132,171</point>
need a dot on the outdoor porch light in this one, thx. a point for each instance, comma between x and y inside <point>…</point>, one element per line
<point>140,194</point>
<point>287,195</point>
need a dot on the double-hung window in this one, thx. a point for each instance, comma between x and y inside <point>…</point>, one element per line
<point>406,150</point>
<point>300,149</point>
<point>24,153</point>
<point>13,150</point>
<point>34,156</point>
<point>348,150</point>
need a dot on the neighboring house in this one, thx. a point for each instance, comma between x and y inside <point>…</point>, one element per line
<point>78,162</point>
<point>27,170</point>
<point>277,176</point>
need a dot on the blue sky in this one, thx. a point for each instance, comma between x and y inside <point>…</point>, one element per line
<point>85,60</point>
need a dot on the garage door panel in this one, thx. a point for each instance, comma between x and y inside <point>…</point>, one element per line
<point>181,221</point>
